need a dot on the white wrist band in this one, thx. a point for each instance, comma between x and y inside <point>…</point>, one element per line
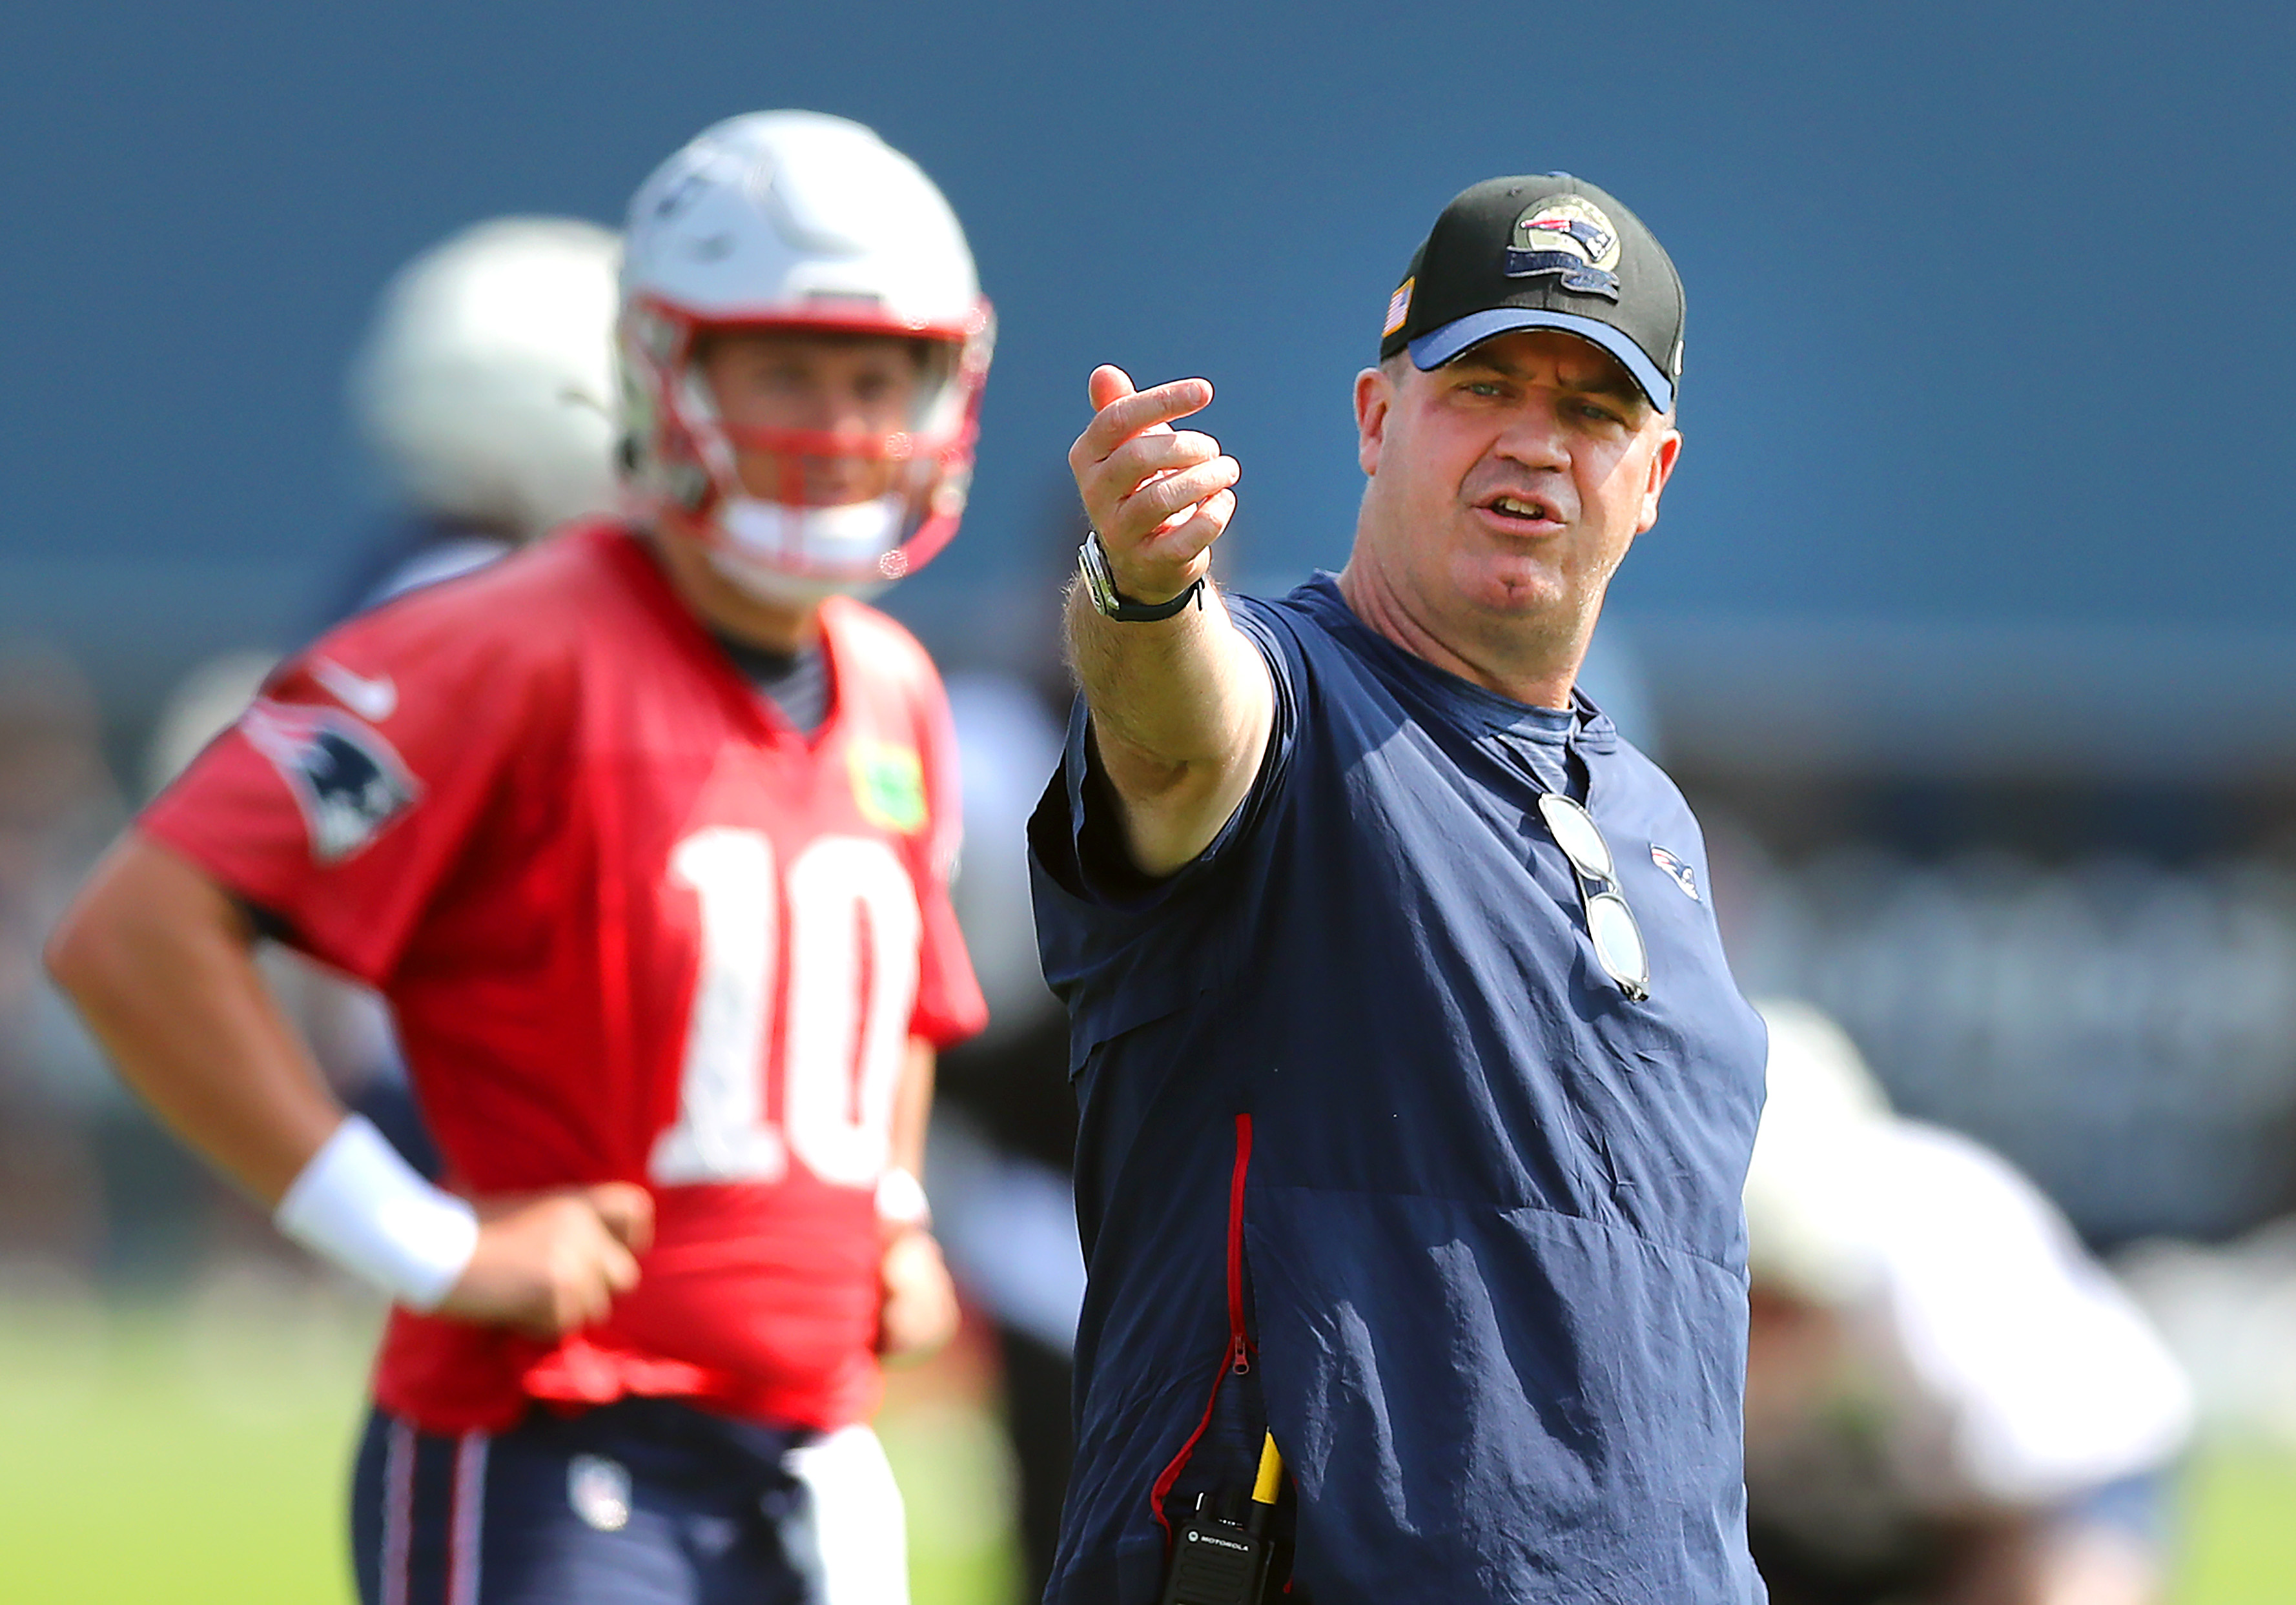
<point>901,1199</point>
<point>360,1206</point>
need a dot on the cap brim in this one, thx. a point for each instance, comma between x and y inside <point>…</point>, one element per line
<point>1437,346</point>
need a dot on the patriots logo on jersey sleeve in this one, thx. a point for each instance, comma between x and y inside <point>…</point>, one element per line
<point>348,782</point>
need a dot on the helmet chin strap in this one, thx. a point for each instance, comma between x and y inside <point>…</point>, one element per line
<point>804,554</point>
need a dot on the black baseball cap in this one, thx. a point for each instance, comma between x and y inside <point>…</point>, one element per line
<point>1541,251</point>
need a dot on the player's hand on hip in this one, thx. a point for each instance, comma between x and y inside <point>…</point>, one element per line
<point>1158,496</point>
<point>551,1262</point>
<point>918,1313</point>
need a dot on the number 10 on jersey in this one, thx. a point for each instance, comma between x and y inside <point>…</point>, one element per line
<point>842,1032</point>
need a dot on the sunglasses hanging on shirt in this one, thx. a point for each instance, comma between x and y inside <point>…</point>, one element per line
<point>1617,938</point>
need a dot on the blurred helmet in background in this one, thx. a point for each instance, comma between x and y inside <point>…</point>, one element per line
<point>486,381</point>
<point>797,222</point>
<point>1810,1228</point>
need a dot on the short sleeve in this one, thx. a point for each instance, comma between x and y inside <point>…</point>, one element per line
<point>1121,949</point>
<point>949,1007</point>
<point>352,786</point>
<point>1075,835</point>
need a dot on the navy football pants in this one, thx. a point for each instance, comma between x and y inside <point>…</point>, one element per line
<point>646,1502</point>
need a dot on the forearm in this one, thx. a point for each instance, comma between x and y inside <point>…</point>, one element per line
<point>1182,706</point>
<point>912,1109</point>
<point>1181,711</point>
<point>1174,694</point>
<point>158,959</point>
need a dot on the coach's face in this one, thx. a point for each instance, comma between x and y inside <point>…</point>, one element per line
<point>1506,485</point>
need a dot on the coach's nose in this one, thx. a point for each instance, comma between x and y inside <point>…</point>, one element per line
<point>1535,434</point>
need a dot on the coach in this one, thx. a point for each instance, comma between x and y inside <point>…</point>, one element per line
<point>1415,1091</point>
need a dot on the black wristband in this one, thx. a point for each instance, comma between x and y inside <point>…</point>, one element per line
<point>1100,586</point>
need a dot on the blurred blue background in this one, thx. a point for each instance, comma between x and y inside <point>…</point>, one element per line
<point>1986,305</point>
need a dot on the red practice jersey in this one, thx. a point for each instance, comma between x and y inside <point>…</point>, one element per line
<point>634,927</point>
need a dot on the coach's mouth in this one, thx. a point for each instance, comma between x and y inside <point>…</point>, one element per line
<point>1518,513</point>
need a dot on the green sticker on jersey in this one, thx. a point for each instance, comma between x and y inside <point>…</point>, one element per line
<point>889,783</point>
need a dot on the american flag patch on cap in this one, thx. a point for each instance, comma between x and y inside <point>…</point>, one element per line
<point>1398,308</point>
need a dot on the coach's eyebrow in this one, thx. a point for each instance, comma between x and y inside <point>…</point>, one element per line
<point>1613,382</point>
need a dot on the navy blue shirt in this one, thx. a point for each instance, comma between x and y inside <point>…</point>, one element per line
<point>1354,1083</point>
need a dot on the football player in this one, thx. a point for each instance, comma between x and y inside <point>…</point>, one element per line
<point>1947,1401</point>
<point>483,392</point>
<point>645,834</point>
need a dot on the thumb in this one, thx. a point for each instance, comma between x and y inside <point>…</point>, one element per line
<point>626,1211</point>
<point>1107,383</point>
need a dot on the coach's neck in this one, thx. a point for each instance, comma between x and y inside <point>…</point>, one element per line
<point>1530,659</point>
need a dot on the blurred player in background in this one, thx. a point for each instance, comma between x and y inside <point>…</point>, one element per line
<point>484,390</point>
<point>1947,1401</point>
<point>645,833</point>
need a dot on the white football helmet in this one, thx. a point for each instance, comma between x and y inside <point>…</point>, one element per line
<point>798,221</point>
<point>1810,1220</point>
<point>486,382</point>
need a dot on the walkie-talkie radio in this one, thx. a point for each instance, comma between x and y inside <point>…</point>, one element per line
<point>1219,1560</point>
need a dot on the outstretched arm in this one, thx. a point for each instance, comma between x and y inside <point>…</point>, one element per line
<point>1181,707</point>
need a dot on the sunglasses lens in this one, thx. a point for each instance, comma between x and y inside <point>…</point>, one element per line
<point>1618,942</point>
<point>1575,833</point>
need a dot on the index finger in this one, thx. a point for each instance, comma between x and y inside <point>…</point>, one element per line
<point>1155,407</point>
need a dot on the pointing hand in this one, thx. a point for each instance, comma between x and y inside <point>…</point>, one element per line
<point>1159,498</point>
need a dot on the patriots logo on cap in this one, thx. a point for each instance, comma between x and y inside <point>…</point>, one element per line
<point>1568,236</point>
<point>347,780</point>
<point>1683,874</point>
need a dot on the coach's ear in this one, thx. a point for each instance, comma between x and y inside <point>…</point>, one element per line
<point>1373,393</point>
<point>1661,469</point>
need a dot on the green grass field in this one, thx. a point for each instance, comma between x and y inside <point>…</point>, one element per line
<point>195,1455</point>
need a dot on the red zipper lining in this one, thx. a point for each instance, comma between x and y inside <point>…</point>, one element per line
<point>1238,1359</point>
